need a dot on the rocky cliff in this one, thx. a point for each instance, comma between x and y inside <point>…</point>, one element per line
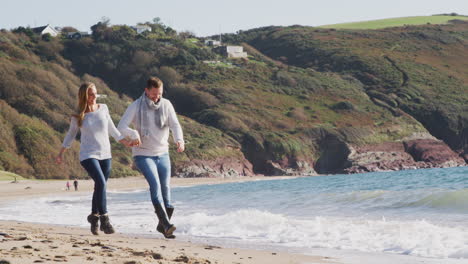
<point>408,154</point>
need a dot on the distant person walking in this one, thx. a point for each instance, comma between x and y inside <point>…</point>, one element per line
<point>67,185</point>
<point>95,124</point>
<point>75,183</point>
<point>153,116</point>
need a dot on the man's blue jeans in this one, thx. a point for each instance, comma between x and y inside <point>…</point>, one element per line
<point>99,171</point>
<point>157,171</point>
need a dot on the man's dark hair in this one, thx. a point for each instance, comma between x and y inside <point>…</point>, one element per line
<point>154,82</point>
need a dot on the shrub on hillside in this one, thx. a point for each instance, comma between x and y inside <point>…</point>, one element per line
<point>27,31</point>
<point>297,113</point>
<point>14,51</point>
<point>202,53</point>
<point>183,58</point>
<point>49,50</point>
<point>285,79</point>
<point>169,76</point>
<point>141,58</point>
<point>188,100</point>
<point>9,159</point>
<point>308,83</point>
<point>345,105</point>
<point>280,146</point>
<point>222,120</point>
<point>46,37</point>
<point>38,146</point>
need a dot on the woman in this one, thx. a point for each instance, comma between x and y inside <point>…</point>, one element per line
<point>95,124</point>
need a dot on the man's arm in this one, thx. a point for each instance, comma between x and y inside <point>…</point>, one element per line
<point>176,128</point>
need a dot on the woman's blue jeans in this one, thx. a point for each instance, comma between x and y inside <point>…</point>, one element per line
<point>157,171</point>
<point>99,171</point>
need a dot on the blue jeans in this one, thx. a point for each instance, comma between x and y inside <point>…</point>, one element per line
<point>157,171</point>
<point>99,171</point>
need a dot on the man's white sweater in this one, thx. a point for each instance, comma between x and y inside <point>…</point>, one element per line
<point>156,143</point>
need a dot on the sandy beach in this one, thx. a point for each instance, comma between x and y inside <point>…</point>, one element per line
<point>22,242</point>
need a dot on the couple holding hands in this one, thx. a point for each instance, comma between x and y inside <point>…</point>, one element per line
<point>151,117</point>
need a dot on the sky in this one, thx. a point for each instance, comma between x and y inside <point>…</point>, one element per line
<point>210,17</point>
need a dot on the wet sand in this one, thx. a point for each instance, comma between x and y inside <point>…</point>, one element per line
<point>22,242</point>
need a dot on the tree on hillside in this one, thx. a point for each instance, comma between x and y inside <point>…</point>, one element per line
<point>170,31</point>
<point>49,48</point>
<point>100,28</point>
<point>120,33</point>
<point>187,34</point>
<point>157,20</point>
<point>46,37</point>
<point>27,31</point>
<point>169,76</point>
<point>68,29</point>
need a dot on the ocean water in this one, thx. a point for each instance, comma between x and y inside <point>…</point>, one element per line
<point>414,216</point>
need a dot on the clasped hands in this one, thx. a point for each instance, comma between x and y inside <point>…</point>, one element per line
<point>130,142</point>
<point>137,142</point>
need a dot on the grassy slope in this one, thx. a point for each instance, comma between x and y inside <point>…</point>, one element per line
<point>37,97</point>
<point>420,69</point>
<point>287,107</point>
<point>395,22</point>
<point>9,176</point>
<point>283,114</point>
<point>314,86</point>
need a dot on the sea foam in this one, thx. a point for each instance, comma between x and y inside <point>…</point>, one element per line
<point>418,238</point>
<point>418,213</point>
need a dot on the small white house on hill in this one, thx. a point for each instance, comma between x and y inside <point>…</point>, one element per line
<point>232,51</point>
<point>45,29</point>
<point>236,52</point>
<point>212,42</point>
<point>141,28</point>
<point>77,35</point>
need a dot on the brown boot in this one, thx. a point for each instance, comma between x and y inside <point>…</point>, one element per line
<point>93,219</point>
<point>106,225</point>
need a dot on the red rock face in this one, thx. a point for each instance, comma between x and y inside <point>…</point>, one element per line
<point>233,167</point>
<point>432,151</point>
<point>413,154</point>
<point>389,156</point>
<point>218,168</point>
<point>290,167</point>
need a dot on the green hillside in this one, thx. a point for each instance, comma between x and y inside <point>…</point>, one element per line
<point>9,176</point>
<point>396,22</point>
<point>303,95</point>
<point>418,70</point>
<point>38,90</point>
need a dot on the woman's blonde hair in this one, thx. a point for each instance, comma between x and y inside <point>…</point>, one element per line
<point>83,101</point>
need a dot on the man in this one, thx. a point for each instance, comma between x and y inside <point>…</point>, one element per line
<point>153,116</point>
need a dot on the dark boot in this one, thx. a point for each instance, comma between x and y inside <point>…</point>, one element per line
<point>167,227</point>
<point>160,228</point>
<point>93,220</point>
<point>106,225</point>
